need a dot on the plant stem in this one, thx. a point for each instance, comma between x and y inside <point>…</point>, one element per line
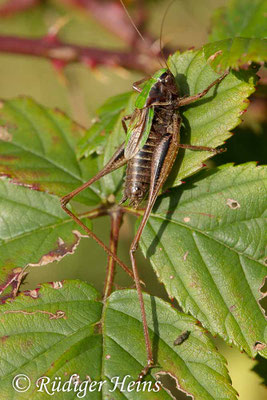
<point>116,219</point>
<point>95,213</point>
<point>66,53</point>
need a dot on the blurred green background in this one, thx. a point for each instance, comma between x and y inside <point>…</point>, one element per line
<point>79,94</point>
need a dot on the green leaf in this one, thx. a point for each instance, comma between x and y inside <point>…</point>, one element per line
<point>33,230</point>
<point>243,18</point>
<point>38,149</point>
<point>107,117</point>
<point>56,328</point>
<point>207,122</point>
<point>235,52</point>
<point>206,244</point>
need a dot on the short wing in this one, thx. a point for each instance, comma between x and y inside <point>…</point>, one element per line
<point>138,131</point>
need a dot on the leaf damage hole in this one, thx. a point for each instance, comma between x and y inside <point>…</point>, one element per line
<point>4,134</point>
<point>60,251</point>
<point>259,346</point>
<point>213,56</point>
<point>233,204</point>
<point>58,315</point>
<point>186,219</point>
<point>57,285</point>
<point>34,294</point>
<point>14,280</point>
<point>170,383</point>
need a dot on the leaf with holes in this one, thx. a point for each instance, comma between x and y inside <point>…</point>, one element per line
<point>241,18</point>
<point>33,230</point>
<point>57,331</point>
<point>206,244</point>
<point>38,150</point>
<point>235,53</point>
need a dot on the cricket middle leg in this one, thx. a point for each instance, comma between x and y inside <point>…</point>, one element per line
<point>190,99</point>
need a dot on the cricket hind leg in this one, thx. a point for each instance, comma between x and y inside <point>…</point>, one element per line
<point>115,162</point>
<point>162,162</point>
<point>190,99</point>
<point>201,148</point>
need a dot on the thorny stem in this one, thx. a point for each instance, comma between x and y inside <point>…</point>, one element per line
<point>111,15</point>
<point>116,219</point>
<point>66,53</point>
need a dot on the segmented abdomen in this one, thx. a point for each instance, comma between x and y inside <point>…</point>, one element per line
<point>139,171</point>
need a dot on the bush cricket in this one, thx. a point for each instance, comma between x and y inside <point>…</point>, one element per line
<point>151,147</point>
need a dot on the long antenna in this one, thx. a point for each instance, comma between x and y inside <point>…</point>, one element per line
<point>161,31</point>
<point>139,33</point>
<point>132,21</point>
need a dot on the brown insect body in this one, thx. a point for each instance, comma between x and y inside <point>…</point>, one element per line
<point>138,173</point>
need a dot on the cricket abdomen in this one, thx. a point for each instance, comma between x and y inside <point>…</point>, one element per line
<point>138,172</point>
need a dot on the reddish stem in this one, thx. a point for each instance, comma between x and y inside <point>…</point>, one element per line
<point>69,53</point>
<point>116,219</point>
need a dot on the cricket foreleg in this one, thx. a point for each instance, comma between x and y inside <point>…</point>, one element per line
<point>162,162</point>
<point>135,84</point>
<point>190,99</point>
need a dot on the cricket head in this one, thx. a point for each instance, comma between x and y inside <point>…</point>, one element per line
<point>161,88</point>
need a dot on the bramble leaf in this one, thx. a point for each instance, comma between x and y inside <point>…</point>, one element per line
<point>33,230</point>
<point>37,149</point>
<point>206,122</point>
<point>235,52</point>
<point>207,245</point>
<point>108,114</point>
<point>55,330</point>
